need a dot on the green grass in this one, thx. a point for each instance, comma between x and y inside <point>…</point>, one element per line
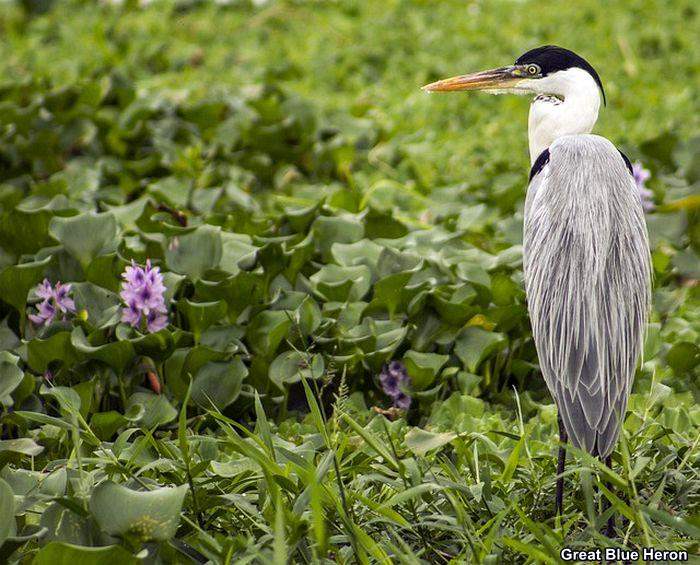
<point>335,218</point>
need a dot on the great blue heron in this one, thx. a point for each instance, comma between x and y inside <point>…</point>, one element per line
<point>586,253</point>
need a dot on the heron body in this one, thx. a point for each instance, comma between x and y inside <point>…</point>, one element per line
<point>586,262</point>
<point>586,252</point>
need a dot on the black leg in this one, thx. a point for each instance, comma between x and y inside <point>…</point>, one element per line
<point>609,529</point>
<point>561,463</point>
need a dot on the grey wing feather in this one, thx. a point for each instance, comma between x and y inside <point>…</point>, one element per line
<point>587,276</point>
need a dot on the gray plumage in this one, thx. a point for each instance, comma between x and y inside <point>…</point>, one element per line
<point>587,277</point>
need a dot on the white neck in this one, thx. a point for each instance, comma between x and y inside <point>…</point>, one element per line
<point>573,111</point>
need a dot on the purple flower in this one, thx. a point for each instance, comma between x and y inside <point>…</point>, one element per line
<point>641,176</point>
<point>54,300</point>
<point>394,380</point>
<point>142,293</point>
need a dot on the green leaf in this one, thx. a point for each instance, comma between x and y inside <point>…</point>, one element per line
<point>474,345</point>
<point>67,398</point>
<point>60,553</point>
<point>145,515</point>
<point>116,354</point>
<point>85,236</point>
<point>58,347</point>
<point>342,284</point>
<point>17,280</point>
<point>201,315</point>
<point>218,383</point>
<point>157,410</point>
<point>11,450</point>
<point>328,230</point>
<point>683,357</point>
<point>291,366</point>
<point>421,441</point>
<point>423,367</point>
<point>267,330</point>
<point>7,512</point>
<point>195,252</point>
<point>102,305</point>
<point>10,374</point>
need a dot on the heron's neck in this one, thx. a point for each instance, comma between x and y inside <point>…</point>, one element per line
<point>567,106</point>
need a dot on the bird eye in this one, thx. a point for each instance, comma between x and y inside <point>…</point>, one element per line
<point>533,69</point>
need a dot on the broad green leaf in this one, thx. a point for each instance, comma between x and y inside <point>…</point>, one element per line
<point>145,515</point>
<point>58,347</point>
<point>67,398</point>
<point>101,305</point>
<point>116,354</point>
<point>7,512</point>
<point>17,280</point>
<point>474,345</point>
<point>421,441</point>
<point>201,315</point>
<point>218,383</point>
<point>328,230</point>
<point>267,330</point>
<point>195,252</point>
<point>291,366</point>
<point>157,410</point>
<point>342,284</point>
<point>10,374</point>
<point>85,236</point>
<point>60,553</point>
<point>423,367</point>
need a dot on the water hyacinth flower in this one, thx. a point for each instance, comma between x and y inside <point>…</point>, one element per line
<point>394,380</point>
<point>641,176</point>
<point>143,293</point>
<point>55,301</point>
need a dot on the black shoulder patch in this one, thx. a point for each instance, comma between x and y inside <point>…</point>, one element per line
<point>627,162</point>
<point>539,163</point>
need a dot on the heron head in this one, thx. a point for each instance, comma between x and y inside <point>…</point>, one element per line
<point>548,70</point>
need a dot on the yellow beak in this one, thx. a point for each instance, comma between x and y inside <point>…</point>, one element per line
<point>493,79</point>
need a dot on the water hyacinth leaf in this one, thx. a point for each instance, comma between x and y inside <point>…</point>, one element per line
<point>392,261</point>
<point>201,315</point>
<point>25,446</point>
<point>58,347</point>
<point>683,357</point>
<point>106,424</point>
<point>473,273</point>
<point>195,252</point>
<point>17,280</point>
<point>291,366</point>
<point>10,374</point>
<point>342,284</point>
<point>67,398</point>
<point>144,515</point>
<point>157,411</point>
<point>101,305</point>
<point>7,512</point>
<point>218,383</point>
<point>474,345</point>
<point>62,553</point>
<point>158,345</point>
<point>116,354</point>
<point>421,441</point>
<point>85,236</point>
<point>267,330</point>
<point>24,231</point>
<point>236,248</point>
<point>363,252</point>
<point>423,368</point>
<point>328,230</point>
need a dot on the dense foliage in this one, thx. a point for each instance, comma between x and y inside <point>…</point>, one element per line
<point>304,243</point>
